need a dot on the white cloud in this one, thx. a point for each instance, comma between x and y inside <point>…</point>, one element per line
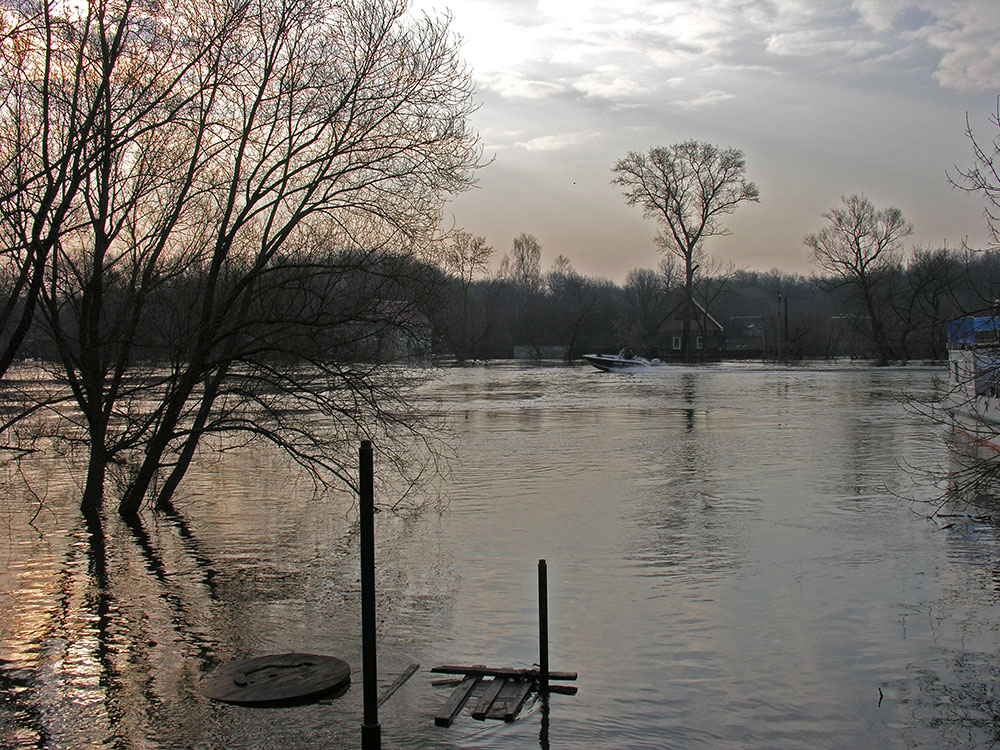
<point>514,85</point>
<point>966,34</point>
<point>815,43</point>
<point>573,41</point>
<point>557,141</point>
<point>880,15</point>
<point>608,82</point>
<point>706,99</point>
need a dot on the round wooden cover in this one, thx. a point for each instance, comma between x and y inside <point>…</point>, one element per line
<point>277,679</point>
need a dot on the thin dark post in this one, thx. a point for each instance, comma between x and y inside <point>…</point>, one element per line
<point>786,319</point>
<point>781,337</point>
<point>371,732</point>
<point>543,628</point>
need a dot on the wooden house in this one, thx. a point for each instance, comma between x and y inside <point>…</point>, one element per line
<point>707,335</point>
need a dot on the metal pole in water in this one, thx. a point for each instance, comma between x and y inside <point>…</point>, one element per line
<point>543,628</point>
<point>371,732</point>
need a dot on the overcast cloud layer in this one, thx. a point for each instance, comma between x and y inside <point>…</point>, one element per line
<point>825,99</point>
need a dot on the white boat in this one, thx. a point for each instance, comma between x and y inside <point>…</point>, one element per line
<point>621,362</point>
<point>973,398</point>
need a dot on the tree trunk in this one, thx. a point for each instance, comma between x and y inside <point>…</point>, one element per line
<point>93,490</point>
<point>882,346</point>
<point>163,497</point>
<point>688,303</point>
<point>155,447</point>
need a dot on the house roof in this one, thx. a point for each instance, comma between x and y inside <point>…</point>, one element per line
<point>678,312</point>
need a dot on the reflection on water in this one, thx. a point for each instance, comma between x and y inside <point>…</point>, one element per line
<point>732,563</point>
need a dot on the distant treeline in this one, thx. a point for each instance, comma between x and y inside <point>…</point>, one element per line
<point>766,314</point>
<point>386,307</point>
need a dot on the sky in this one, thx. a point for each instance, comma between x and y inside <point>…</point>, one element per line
<point>825,98</point>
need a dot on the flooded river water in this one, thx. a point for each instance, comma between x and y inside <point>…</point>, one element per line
<point>738,557</point>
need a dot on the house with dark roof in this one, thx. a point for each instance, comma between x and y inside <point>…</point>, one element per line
<point>707,335</point>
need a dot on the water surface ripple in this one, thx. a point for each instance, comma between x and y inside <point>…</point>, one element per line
<point>738,557</point>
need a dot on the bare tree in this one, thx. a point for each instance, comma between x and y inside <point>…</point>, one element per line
<point>860,247</point>
<point>524,265</point>
<point>237,152</point>
<point>923,299</point>
<point>99,100</point>
<point>577,304</point>
<point>686,188</point>
<point>523,269</point>
<point>466,256</point>
<point>79,86</point>
<point>975,469</point>
<point>646,295</point>
<point>983,177</point>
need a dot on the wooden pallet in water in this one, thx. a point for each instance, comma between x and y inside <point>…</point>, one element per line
<point>500,697</point>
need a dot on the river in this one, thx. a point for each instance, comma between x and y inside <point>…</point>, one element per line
<point>738,555</point>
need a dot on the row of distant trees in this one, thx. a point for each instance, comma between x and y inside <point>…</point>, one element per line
<point>895,313</point>
<point>351,306</point>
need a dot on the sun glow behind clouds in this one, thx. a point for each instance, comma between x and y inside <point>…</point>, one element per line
<point>817,94</point>
<point>510,41</point>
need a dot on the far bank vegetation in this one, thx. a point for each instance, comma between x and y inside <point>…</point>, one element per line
<point>559,313</point>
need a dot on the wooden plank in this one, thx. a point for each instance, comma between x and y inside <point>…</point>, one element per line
<point>453,706</point>
<point>500,672</point>
<point>510,700</point>
<point>399,682</point>
<point>560,689</point>
<point>563,689</point>
<point>447,681</point>
<point>492,691</point>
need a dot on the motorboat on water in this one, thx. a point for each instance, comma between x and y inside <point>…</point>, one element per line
<point>624,361</point>
<point>973,398</point>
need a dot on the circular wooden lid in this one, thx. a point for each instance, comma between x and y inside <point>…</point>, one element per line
<point>277,679</point>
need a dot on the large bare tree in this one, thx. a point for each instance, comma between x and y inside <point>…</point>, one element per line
<point>270,162</point>
<point>687,188</point>
<point>524,264</point>
<point>859,248</point>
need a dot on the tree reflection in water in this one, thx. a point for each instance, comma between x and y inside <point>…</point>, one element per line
<point>732,553</point>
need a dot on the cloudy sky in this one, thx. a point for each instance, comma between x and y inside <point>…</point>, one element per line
<point>825,98</point>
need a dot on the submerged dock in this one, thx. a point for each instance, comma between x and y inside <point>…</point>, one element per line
<point>500,693</point>
<point>494,693</point>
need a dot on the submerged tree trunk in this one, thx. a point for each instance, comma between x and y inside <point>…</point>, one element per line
<point>885,352</point>
<point>155,447</point>
<point>93,490</point>
<point>689,308</point>
<point>165,495</point>
<point>883,348</point>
